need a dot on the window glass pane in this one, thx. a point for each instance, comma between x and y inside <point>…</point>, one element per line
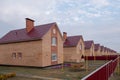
<point>80,46</point>
<point>54,41</point>
<point>20,55</point>
<point>13,55</point>
<point>54,57</point>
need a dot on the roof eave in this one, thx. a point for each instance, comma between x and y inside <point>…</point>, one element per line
<point>19,41</point>
<point>69,46</point>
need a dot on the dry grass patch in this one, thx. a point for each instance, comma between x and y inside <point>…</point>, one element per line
<point>65,73</point>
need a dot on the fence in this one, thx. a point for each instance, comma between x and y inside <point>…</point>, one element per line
<point>104,72</point>
<point>107,57</point>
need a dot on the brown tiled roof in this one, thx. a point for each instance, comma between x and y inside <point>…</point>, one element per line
<point>112,50</point>
<point>88,44</point>
<point>72,41</point>
<point>21,35</point>
<point>97,46</point>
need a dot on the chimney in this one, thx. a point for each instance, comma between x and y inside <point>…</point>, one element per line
<point>29,24</point>
<point>64,36</point>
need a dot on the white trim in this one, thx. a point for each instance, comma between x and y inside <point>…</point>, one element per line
<point>54,41</point>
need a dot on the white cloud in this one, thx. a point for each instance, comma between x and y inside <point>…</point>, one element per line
<point>47,11</point>
<point>100,3</point>
<point>13,12</point>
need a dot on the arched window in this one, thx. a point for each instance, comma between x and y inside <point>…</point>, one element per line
<point>54,31</point>
<point>80,46</point>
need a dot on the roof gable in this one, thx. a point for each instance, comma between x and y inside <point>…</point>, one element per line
<point>88,44</point>
<point>101,48</point>
<point>21,35</point>
<point>105,49</point>
<point>72,41</point>
<point>97,47</point>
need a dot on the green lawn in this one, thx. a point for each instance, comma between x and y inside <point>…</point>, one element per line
<point>66,73</point>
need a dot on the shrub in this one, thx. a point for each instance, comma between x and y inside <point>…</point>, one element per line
<point>3,77</point>
<point>77,66</point>
<point>9,75</point>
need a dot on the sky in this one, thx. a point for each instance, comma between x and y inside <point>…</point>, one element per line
<point>97,20</point>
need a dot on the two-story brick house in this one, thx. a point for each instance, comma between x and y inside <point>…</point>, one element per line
<point>73,48</point>
<point>97,50</point>
<point>89,48</point>
<point>37,46</point>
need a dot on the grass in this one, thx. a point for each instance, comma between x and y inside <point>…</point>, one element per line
<point>22,78</point>
<point>116,74</point>
<point>65,74</point>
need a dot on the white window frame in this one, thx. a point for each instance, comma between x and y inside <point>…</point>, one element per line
<point>54,57</point>
<point>54,41</point>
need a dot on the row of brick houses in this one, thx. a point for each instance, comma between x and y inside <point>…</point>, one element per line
<point>44,45</point>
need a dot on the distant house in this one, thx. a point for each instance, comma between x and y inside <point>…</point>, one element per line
<point>102,50</point>
<point>37,46</point>
<point>112,52</point>
<point>73,48</point>
<point>108,51</point>
<point>97,50</point>
<point>105,51</point>
<point>89,48</point>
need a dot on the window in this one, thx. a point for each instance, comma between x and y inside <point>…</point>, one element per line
<point>54,41</point>
<point>13,55</point>
<point>54,31</point>
<point>80,46</point>
<point>20,55</point>
<point>54,57</point>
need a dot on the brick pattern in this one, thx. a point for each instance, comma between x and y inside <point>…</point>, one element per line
<point>74,54</point>
<point>97,52</point>
<point>90,51</point>
<point>47,48</point>
<point>31,53</point>
<point>29,25</point>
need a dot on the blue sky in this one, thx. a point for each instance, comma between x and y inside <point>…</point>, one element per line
<point>97,20</point>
